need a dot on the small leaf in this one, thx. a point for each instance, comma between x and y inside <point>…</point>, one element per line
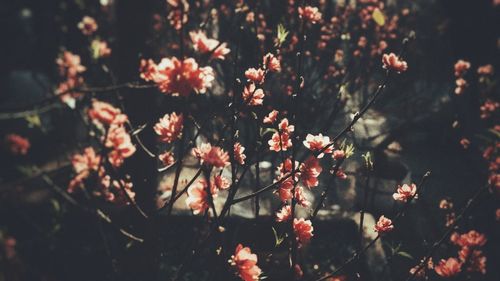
<point>405,254</point>
<point>378,17</point>
<point>33,121</point>
<point>278,240</point>
<point>282,33</point>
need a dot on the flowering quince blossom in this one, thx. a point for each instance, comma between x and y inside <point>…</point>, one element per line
<point>176,77</point>
<point>384,225</point>
<point>317,143</point>
<point>271,62</point>
<point>239,154</point>
<point>303,230</point>
<point>121,144</point>
<point>177,17</point>
<point>461,67</point>
<point>285,189</point>
<point>116,191</point>
<point>300,197</point>
<point>197,197</point>
<point>485,70</point>
<point>281,140</point>
<point>245,263</point>
<point>105,113</point>
<point>448,268</point>
<point>271,117</point>
<point>255,75</point>
<point>167,158</point>
<point>69,64</point>
<point>309,172</point>
<point>204,45</point>
<point>169,127</point>
<point>88,25</point>
<point>474,259</point>
<point>338,154</point>
<point>211,155</point>
<point>219,182</point>
<point>461,85</point>
<point>252,95</point>
<point>87,161</point>
<point>284,214</point>
<point>469,239</point>
<point>405,192</point>
<point>17,145</point>
<point>392,62</point>
<point>310,14</point>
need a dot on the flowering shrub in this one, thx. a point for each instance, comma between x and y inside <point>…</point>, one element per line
<point>261,111</point>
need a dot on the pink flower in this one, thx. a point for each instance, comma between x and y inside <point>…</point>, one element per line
<point>303,230</point>
<point>271,62</point>
<point>220,182</point>
<point>100,49</point>
<point>205,45</point>
<point>474,259</point>
<point>255,75</point>
<point>209,155</point>
<point>338,154</point>
<point>405,192</point>
<point>87,161</point>
<point>239,155</point>
<point>309,172</point>
<point>105,113</point>
<point>252,95</point>
<point>284,213</point>
<point>285,127</point>
<point>197,198</point>
<point>169,128</point>
<point>69,65</point>
<point>88,25</point>
<point>485,70</point>
<point>176,77</point>
<point>317,143</point>
<point>119,140</point>
<point>392,62</point>
<point>448,268</point>
<point>383,225</point>
<point>465,143</point>
<point>341,174</point>
<point>461,67</point>
<point>310,14</point>
<point>17,145</point>
<point>285,189</point>
<point>245,263</point>
<point>271,117</point>
<point>300,197</point>
<point>167,158</point>
<point>461,85</point>
<point>279,142</point>
<point>469,239</point>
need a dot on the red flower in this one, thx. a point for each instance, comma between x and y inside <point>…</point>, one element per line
<point>310,14</point>
<point>383,225</point>
<point>469,239</point>
<point>392,62</point>
<point>284,213</point>
<point>461,67</point>
<point>279,142</point>
<point>239,155</point>
<point>105,113</point>
<point>219,182</point>
<point>338,154</point>
<point>448,268</point>
<point>300,197</point>
<point>176,77</point>
<point>271,117</point>
<point>252,95</point>
<point>88,25</point>
<point>485,70</point>
<point>169,128</point>
<point>17,145</point>
<point>303,230</point>
<point>271,62</point>
<point>167,158</point>
<point>309,172</point>
<point>317,143</point>
<point>405,192</point>
<point>255,75</point>
<point>209,155</point>
<point>197,197</point>
<point>205,45</point>
<point>245,263</point>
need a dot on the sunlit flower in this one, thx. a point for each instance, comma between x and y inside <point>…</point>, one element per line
<point>384,225</point>
<point>317,143</point>
<point>255,75</point>
<point>309,172</point>
<point>405,192</point>
<point>211,155</point>
<point>300,197</point>
<point>284,214</point>
<point>220,182</point>
<point>392,62</point>
<point>17,144</point>
<point>474,259</point>
<point>205,45</point>
<point>167,158</point>
<point>100,49</point>
<point>105,113</point>
<point>89,160</point>
<point>461,67</point>
<point>197,198</point>
<point>176,77</point>
<point>245,263</point>
<point>88,25</point>
<point>448,268</point>
<point>285,189</point>
<point>279,142</point>
<point>252,95</point>
<point>271,62</point>
<point>469,239</point>
<point>338,154</point>
<point>271,117</point>
<point>485,70</point>
<point>69,64</point>
<point>239,154</point>
<point>121,144</point>
<point>310,14</point>
<point>461,84</point>
<point>303,230</point>
<point>169,127</point>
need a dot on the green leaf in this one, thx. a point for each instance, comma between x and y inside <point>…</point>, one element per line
<point>278,240</point>
<point>405,254</point>
<point>378,17</point>
<point>282,33</point>
<point>33,121</point>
